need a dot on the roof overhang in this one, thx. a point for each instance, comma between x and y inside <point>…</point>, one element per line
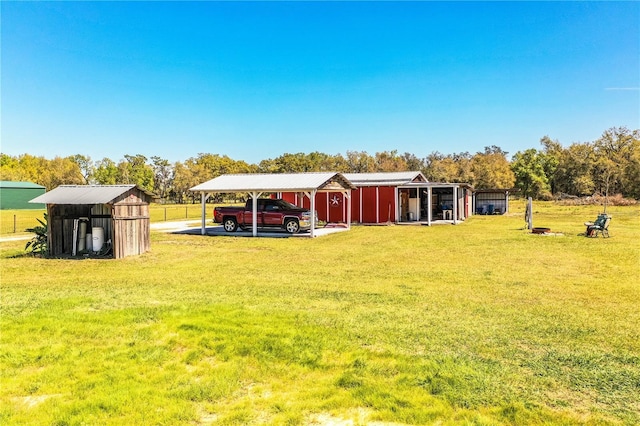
<point>385,178</point>
<point>436,185</point>
<point>85,194</point>
<point>501,190</point>
<point>281,182</point>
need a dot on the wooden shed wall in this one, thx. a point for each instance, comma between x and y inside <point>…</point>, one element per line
<point>131,225</point>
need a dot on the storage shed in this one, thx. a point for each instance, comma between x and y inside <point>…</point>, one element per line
<point>491,201</point>
<point>16,195</point>
<point>116,217</point>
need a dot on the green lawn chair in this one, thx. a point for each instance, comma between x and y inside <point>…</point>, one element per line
<point>600,226</point>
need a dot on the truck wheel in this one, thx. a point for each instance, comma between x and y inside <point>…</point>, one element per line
<point>292,226</point>
<point>230,224</point>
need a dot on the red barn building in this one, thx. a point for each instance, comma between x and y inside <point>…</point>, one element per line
<point>394,197</point>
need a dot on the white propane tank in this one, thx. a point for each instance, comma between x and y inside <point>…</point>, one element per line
<point>98,238</point>
<point>82,239</point>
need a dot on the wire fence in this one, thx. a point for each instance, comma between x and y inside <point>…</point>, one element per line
<point>18,221</point>
<point>165,213</point>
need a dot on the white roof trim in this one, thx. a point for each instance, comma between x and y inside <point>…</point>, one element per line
<point>276,182</point>
<point>85,194</point>
<point>386,178</point>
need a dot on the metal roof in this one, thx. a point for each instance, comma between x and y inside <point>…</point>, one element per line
<point>327,181</point>
<point>23,185</point>
<point>84,194</point>
<point>502,190</point>
<point>385,178</point>
<point>437,185</point>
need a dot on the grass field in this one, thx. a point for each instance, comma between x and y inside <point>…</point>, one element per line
<point>480,323</point>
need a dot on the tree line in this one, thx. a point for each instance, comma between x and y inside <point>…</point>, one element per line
<point>608,165</point>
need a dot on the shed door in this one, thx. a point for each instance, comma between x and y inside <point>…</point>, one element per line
<point>128,239</point>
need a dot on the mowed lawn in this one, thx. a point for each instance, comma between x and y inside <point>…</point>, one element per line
<point>480,323</point>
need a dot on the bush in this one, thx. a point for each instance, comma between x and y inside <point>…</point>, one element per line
<point>39,243</point>
<point>595,199</point>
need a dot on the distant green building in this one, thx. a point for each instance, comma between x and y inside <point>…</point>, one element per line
<point>16,195</point>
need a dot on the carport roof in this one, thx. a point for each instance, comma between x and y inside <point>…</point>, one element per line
<point>84,194</point>
<point>264,182</point>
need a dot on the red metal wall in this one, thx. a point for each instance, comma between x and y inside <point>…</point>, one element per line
<point>332,206</point>
<point>380,211</point>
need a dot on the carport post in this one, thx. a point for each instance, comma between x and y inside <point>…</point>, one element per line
<point>254,196</point>
<point>348,194</point>
<point>429,212</point>
<point>204,198</point>
<point>313,212</point>
<point>455,205</point>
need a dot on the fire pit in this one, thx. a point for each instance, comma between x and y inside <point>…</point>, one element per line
<point>540,230</point>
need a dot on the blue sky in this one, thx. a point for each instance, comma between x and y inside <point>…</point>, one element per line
<point>256,80</point>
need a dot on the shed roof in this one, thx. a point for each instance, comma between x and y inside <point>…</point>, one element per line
<point>16,184</point>
<point>385,178</point>
<point>500,190</point>
<point>85,194</point>
<point>327,181</point>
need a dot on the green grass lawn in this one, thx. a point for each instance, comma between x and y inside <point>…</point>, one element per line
<point>480,323</point>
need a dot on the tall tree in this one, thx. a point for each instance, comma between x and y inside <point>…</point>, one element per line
<point>575,171</point>
<point>553,152</point>
<point>163,176</point>
<point>528,168</point>
<point>442,168</point>
<point>491,169</point>
<point>86,166</point>
<point>413,163</point>
<point>617,160</point>
<point>106,172</point>
<point>134,169</point>
<point>390,161</point>
<point>184,177</point>
<point>360,162</point>
<point>62,171</point>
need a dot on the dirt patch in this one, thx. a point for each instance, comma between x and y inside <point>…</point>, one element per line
<point>356,417</point>
<point>33,400</point>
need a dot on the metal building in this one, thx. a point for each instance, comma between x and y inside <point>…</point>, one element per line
<point>16,195</point>
<point>395,197</point>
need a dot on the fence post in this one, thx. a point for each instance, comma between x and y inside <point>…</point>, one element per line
<point>165,214</point>
<point>186,212</point>
<point>14,224</point>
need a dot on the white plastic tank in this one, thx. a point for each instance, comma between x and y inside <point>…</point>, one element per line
<point>98,238</point>
<point>89,242</point>
<point>82,239</point>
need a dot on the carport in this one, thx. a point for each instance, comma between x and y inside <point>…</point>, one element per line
<point>256,184</point>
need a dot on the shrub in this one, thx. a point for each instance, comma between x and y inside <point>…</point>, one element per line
<point>39,243</point>
<point>595,199</point>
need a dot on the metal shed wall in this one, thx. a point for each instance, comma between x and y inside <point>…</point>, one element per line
<point>498,198</point>
<point>16,195</point>
<point>370,204</point>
